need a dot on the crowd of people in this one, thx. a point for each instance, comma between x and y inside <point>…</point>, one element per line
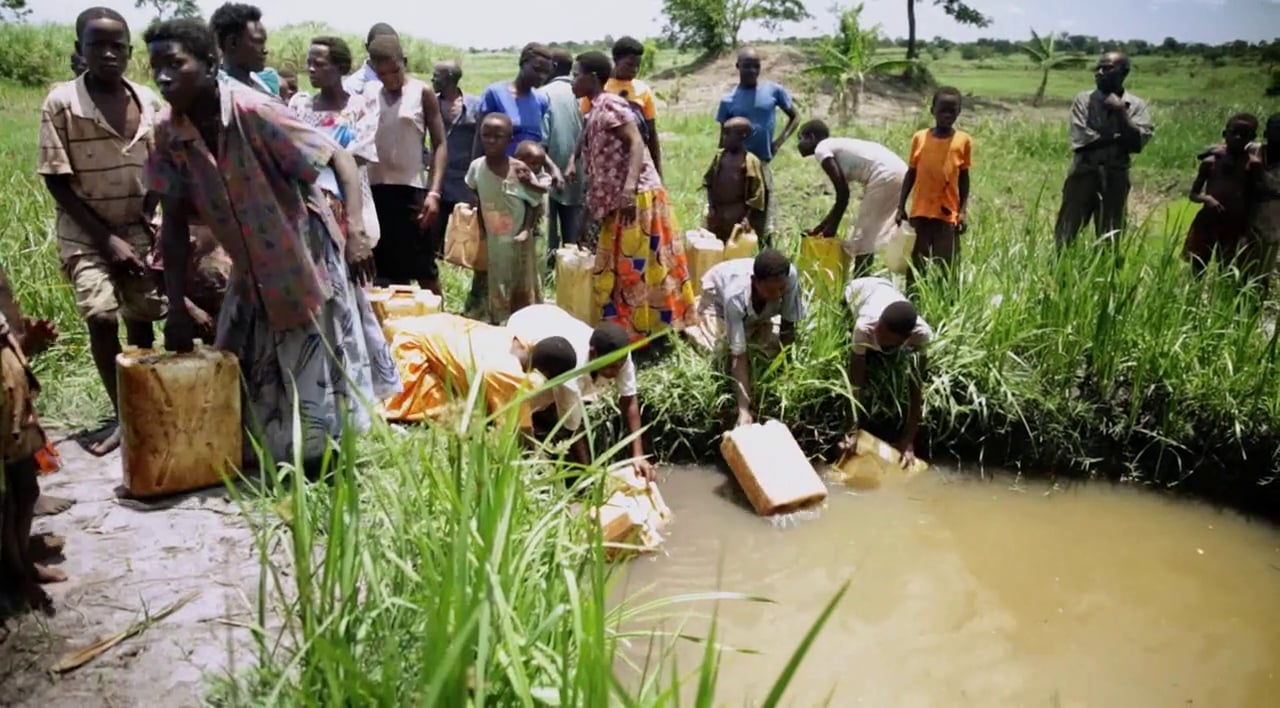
<point>238,209</point>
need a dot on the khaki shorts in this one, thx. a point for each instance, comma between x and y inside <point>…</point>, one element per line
<point>100,293</point>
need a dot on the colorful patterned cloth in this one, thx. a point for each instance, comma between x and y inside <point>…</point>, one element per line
<point>605,156</point>
<point>512,272</point>
<point>354,128</point>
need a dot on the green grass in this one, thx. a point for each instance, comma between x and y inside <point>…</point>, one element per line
<point>451,567</point>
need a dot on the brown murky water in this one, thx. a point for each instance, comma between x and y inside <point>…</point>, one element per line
<point>978,593</point>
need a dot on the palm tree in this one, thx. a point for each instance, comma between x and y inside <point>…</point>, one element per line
<point>847,58</point>
<point>1043,52</point>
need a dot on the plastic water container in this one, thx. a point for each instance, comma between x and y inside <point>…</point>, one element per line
<point>871,461</point>
<point>771,468</point>
<point>897,254</point>
<point>575,268</point>
<point>742,243</point>
<point>632,518</point>
<point>704,252</point>
<point>399,301</point>
<point>179,419</point>
<point>825,263</point>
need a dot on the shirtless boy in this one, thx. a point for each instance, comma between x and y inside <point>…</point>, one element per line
<point>734,182</point>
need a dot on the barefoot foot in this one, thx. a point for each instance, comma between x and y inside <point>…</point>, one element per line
<point>51,506</point>
<point>106,445</point>
<point>45,546</point>
<point>46,575</point>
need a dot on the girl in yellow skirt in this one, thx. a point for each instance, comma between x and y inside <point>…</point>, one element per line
<point>641,276</point>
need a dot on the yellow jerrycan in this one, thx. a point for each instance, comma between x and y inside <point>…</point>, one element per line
<point>742,243</point>
<point>574,293</point>
<point>179,419</point>
<point>704,252</point>
<point>771,468</point>
<point>870,461</point>
<point>824,262</point>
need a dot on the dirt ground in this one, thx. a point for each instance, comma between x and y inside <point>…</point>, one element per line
<point>123,560</point>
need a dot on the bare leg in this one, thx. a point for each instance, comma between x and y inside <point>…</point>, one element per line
<point>52,506</point>
<point>104,345</point>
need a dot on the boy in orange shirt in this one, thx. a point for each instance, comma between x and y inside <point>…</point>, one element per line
<point>937,183</point>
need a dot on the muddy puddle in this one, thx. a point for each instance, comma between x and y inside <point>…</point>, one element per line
<point>970,592</point>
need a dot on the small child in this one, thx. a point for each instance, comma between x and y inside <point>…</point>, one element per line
<point>533,156</point>
<point>509,211</point>
<point>937,183</point>
<point>1264,194</point>
<point>288,84</point>
<point>1221,186</point>
<point>734,183</point>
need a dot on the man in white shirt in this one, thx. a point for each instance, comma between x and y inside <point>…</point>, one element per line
<point>880,172</point>
<point>886,323</point>
<point>537,326</point>
<point>737,305</point>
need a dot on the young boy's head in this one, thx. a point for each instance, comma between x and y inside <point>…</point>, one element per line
<point>241,35</point>
<point>184,61</point>
<point>1242,129</point>
<point>103,43</point>
<point>608,338</point>
<point>896,324</point>
<point>812,133</point>
<point>770,275</point>
<point>627,53</point>
<point>946,106</point>
<point>531,154</point>
<point>387,59</point>
<point>288,83</point>
<point>734,133</point>
<point>495,134</point>
<point>552,357</point>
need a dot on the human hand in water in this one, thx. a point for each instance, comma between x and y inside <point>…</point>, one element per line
<point>644,469</point>
<point>179,330</point>
<point>37,336</point>
<point>430,211</point>
<point>745,417</point>
<point>908,449</point>
<point>1114,102</point>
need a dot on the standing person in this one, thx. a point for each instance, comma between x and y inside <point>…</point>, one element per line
<point>242,39</point>
<point>352,122</point>
<point>937,183</point>
<point>736,308</point>
<point>880,172</point>
<point>759,102</point>
<point>734,182</point>
<point>359,80</point>
<point>95,139</point>
<point>886,324</point>
<point>540,322</point>
<point>1260,259</point>
<point>293,266</point>
<point>627,55</point>
<point>1221,227</point>
<point>24,454</point>
<point>1108,126</point>
<point>564,128</point>
<point>460,113</point>
<point>641,275</point>
<point>509,211</point>
<point>407,113</point>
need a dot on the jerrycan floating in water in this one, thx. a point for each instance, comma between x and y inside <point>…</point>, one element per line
<point>870,461</point>
<point>704,252</point>
<point>824,262</point>
<point>742,243</point>
<point>897,255</point>
<point>179,419</point>
<point>574,291</point>
<point>771,468</point>
<point>633,517</point>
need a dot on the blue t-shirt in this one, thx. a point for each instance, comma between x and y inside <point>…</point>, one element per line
<point>760,106</point>
<point>525,112</point>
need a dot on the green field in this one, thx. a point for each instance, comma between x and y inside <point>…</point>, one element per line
<point>475,581</point>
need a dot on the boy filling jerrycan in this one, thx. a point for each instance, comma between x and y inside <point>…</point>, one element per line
<point>179,419</point>
<point>742,243</point>
<point>704,252</point>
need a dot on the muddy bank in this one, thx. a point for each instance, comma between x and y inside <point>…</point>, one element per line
<point>122,563</point>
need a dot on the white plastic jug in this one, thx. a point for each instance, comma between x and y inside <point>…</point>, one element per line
<point>897,255</point>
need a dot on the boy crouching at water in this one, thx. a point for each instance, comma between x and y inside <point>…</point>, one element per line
<point>734,183</point>
<point>737,305</point>
<point>95,139</point>
<point>885,324</point>
<point>1221,227</point>
<point>24,453</point>
<point>937,183</point>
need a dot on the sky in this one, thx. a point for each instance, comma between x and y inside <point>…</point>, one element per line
<point>504,23</point>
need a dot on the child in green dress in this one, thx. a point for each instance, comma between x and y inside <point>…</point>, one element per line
<point>508,216</point>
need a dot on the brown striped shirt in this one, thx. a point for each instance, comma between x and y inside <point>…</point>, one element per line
<point>106,168</point>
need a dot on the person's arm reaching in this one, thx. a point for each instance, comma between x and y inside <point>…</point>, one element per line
<point>788,108</point>
<point>915,409</point>
<point>630,406</point>
<point>831,223</point>
<point>175,248</point>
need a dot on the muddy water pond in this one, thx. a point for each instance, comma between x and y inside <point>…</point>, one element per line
<point>980,592</point>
